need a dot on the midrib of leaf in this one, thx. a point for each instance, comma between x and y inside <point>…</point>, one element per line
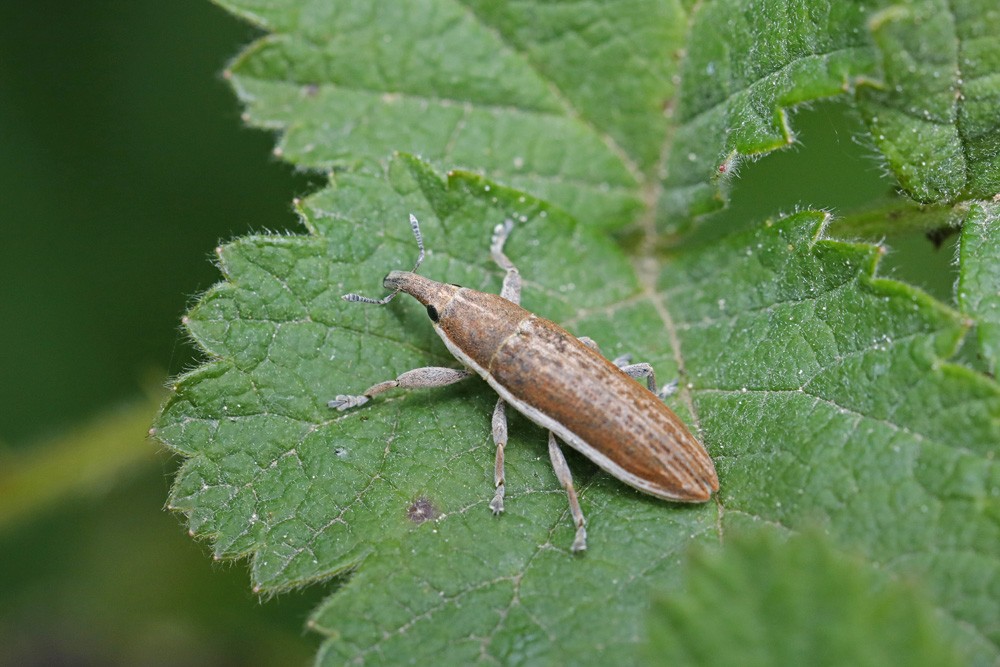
<point>652,188</point>
<point>646,270</point>
<point>644,263</point>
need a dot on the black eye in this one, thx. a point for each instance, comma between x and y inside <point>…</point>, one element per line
<point>432,313</point>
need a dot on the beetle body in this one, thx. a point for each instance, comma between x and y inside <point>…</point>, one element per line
<point>558,381</point>
<point>561,384</point>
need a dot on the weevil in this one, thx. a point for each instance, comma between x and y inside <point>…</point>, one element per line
<point>558,381</point>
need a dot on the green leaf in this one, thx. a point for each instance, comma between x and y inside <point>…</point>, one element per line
<point>624,112</point>
<point>821,392</point>
<point>979,280</point>
<point>763,592</point>
<point>933,115</point>
<point>747,64</point>
<point>827,395</point>
<point>485,85</point>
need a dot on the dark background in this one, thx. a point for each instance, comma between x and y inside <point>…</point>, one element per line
<point>123,162</point>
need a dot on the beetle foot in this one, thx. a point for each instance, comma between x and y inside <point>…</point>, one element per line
<point>343,402</point>
<point>496,505</point>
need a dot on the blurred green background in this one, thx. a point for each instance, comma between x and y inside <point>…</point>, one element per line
<point>123,162</point>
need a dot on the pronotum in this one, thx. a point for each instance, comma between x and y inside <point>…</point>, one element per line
<point>558,381</point>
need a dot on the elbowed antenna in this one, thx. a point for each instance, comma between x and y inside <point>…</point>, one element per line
<point>357,298</point>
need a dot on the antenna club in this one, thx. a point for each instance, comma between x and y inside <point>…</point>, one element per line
<point>415,226</point>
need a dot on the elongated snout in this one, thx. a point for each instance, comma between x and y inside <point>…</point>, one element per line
<point>397,280</point>
<point>426,291</point>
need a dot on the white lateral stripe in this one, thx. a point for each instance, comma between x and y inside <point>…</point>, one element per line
<point>560,430</point>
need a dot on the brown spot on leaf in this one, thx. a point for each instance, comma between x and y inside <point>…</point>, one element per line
<point>422,509</point>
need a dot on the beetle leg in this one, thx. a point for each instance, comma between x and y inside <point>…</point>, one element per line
<point>639,371</point>
<point>511,289</point>
<point>644,370</point>
<point>566,479</point>
<point>669,389</point>
<point>622,361</point>
<point>500,439</point>
<point>418,378</point>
